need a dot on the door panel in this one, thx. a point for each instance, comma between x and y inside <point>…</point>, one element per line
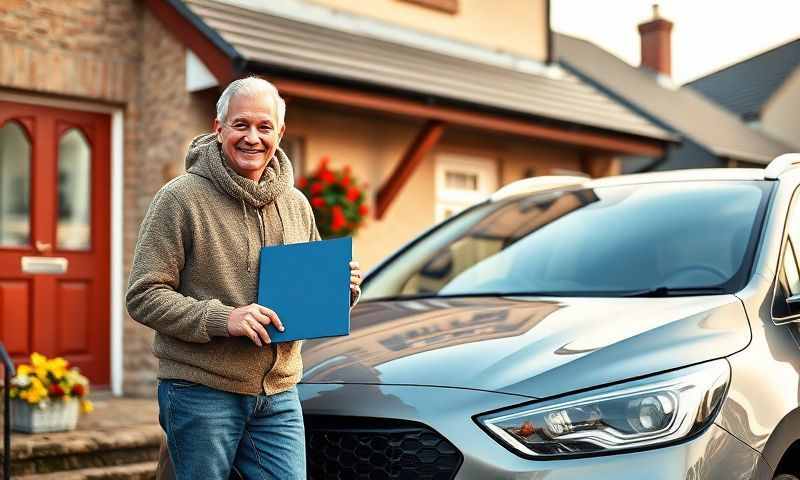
<point>15,316</point>
<point>73,312</point>
<point>68,314</point>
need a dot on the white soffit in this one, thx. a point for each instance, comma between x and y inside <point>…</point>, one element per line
<point>198,77</point>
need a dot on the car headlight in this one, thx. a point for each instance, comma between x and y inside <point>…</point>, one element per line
<point>632,415</point>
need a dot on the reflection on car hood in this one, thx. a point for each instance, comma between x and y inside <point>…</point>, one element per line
<point>534,347</point>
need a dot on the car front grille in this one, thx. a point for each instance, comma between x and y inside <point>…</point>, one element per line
<point>345,448</point>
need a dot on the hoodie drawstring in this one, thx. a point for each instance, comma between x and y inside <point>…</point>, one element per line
<point>247,225</point>
<point>262,228</point>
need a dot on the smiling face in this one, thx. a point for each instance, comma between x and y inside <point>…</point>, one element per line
<point>250,134</point>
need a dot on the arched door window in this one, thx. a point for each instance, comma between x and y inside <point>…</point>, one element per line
<point>74,191</point>
<point>15,186</point>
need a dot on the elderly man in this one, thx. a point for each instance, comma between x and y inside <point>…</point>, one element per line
<point>226,395</point>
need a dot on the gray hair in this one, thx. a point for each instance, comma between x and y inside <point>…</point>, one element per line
<point>250,86</point>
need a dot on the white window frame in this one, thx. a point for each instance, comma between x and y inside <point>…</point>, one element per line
<point>457,200</point>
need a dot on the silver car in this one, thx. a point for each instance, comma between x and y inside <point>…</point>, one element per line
<point>636,327</point>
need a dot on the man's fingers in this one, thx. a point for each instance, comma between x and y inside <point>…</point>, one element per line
<point>277,322</point>
<point>265,311</point>
<point>248,330</point>
<point>261,331</point>
<point>354,264</point>
<point>271,317</point>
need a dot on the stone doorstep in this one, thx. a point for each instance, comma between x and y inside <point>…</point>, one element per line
<point>81,449</point>
<point>135,471</point>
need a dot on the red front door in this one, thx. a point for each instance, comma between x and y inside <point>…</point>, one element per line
<point>54,235</point>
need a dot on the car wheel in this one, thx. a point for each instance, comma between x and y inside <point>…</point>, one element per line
<point>785,476</point>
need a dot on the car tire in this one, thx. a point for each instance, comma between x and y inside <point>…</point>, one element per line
<point>785,476</point>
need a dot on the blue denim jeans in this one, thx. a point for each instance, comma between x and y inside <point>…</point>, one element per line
<point>211,432</point>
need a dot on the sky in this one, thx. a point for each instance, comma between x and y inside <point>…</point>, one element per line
<point>707,34</point>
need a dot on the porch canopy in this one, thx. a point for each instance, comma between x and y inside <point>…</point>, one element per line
<point>327,57</point>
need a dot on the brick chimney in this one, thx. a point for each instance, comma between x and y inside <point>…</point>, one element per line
<point>656,43</point>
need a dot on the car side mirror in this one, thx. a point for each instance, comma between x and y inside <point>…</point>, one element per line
<point>794,300</point>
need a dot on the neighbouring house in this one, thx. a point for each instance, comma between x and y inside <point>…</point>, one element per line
<point>710,135</point>
<point>763,90</point>
<point>433,103</point>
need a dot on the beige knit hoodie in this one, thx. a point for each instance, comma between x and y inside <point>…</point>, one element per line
<point>196,259</point>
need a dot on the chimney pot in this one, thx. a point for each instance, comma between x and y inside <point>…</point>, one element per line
<point>656,38</point>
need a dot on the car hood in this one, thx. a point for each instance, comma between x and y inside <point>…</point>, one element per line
<point>526,346</point>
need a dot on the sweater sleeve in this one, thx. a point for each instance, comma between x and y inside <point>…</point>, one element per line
<point>153,298</point>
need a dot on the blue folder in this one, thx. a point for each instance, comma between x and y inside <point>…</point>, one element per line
<point>308,286</point>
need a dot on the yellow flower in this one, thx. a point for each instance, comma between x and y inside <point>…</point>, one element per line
<point>38,360</point>
<point>58,367</point>
<point>41,372</point>
<point>34,382</point>
<point>38,387</point>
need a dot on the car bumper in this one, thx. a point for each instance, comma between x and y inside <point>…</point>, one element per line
<point>448,411</point>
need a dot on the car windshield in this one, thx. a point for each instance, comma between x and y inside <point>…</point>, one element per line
<point>692,237</point>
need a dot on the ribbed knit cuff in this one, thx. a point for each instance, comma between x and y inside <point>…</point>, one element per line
<point>217,319</point>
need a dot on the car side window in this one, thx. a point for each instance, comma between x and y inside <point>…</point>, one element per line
<point>788,281</point>
<point>790,268</point>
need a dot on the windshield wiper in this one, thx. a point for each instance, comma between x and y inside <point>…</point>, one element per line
<point>675,291</point>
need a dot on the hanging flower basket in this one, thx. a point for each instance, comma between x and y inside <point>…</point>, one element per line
<point>338,202</point>
<point>46,396</point>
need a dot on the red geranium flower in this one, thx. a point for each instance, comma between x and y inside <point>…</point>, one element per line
<point>353,193</point>
<point>55,390</point>
<point>337,218</point>
<point>363,209</point>
<point>78,390</point>
<point>327,176</point>
<point>336,198</point>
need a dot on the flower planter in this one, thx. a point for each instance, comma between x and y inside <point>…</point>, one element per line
<point>58,416</point>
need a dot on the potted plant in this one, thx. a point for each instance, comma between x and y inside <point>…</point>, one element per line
<point>47,395</point>
<point>338,201</point>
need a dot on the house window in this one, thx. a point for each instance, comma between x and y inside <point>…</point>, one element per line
<point>462,181</point>
<point>448,6</point>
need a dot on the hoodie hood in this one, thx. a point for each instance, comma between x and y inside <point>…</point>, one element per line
<point>206,159</point>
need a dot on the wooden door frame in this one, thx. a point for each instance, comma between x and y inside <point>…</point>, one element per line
<point>116,167</point>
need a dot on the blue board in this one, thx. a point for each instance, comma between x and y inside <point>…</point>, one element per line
<point>308,286</point>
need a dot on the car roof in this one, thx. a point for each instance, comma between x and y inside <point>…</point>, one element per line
<point>697,174</point>
<point>527,186</point>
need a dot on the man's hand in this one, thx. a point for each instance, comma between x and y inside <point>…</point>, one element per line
<point>249,321</point>
<point>355,277</point>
